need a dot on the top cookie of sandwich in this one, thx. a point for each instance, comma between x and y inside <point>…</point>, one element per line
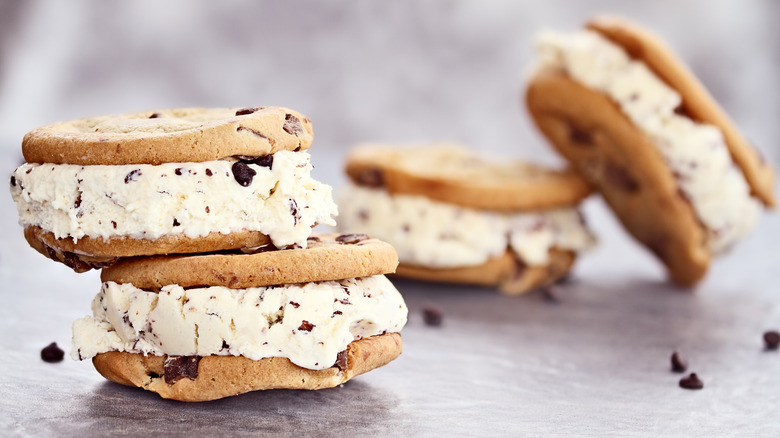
<point>455,175</point>
<point>169,136</point>
<point>697,102</point>
<point>327,257</point>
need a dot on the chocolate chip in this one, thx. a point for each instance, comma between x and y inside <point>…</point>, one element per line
<point>176,223</point>
<point>177,171</point>
<point>113,223</point>
<point>691,382</point>
<point>619,176</point>
<point>341,360</point>
<point>52,353</point>
<point>132,176</point>
<point>679,364</point>
<point>294,304</point>
<point>294,211</point>
<point>313,239</point>
<point>336,312</point>
<point>179,367</point>
<point>155,116</point>
<point>349,239</point>
<point>772,340</point>
<point>265,161</point>
<point>432,316</point>
<point>208,172</point>
<point>208,210</point>
<point>682,110</point>
<point>77,203</point>
<point>370,178</point>
<point>253,131</point>
<point>243,173</point>
<point>245,111</point>
<point>579,136</point>
<point>306,326</point>
<point>13,181</point>
<point>292,125</point>
<point>225,345</point>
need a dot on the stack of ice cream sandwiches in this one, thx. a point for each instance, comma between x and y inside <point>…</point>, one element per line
<point>214,283</point>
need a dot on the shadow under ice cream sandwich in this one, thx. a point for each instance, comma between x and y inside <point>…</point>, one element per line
<point>456,217</point>
<point>168,181</point>
<point>203,327</point>
<point>627,113</point>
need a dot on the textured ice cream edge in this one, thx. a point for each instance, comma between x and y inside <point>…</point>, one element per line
<point>307,323</point>
<point>696,153</point>
<point>274,195</point>
<point>435,234</point>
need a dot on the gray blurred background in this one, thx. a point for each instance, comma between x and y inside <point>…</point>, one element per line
<point>361,70</point>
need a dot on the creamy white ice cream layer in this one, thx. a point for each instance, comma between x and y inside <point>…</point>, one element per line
<point>308,324</point>
<point>435,234</point>
<point>696,153</point>
<point>146,201</point>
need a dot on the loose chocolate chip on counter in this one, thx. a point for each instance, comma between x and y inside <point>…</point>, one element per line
<point>292,125</point>
<point>432,316</point>
<point>52,353</point>
<point>370,178</point>
<point>132,176</point>
<point>243,173</point>
<point>341,360</point>
<point>245,111</point>
<point>306,326</point>
<point>691,382</point>
<point>155,116</point>
<point>349,239</point>
<point>771,340</point>
<point>679,364</point>
<point>179,367</point>
<point>265,161</point>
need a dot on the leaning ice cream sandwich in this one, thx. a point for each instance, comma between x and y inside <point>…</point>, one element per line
<point>456,217</point>
<point>628,114</point>
<point>168,181</point>
<point>203,327</point>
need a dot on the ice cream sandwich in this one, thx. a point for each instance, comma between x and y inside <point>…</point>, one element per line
<point>203,327</point>
<point>455,216</point>
<point>637,124</point>
<point>168,182</point>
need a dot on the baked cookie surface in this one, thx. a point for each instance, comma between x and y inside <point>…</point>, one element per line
<point>455,175</point>
<point>169,136</point>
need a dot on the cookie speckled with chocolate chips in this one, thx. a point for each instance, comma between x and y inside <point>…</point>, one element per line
<point>202,327</point>
<point>178,181</point>
<point>326,257</point>
<point>455,216</point>
<point>636,123</point>
<point>169,136</point>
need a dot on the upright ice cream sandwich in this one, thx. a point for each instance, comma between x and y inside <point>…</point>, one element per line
<point>169,182</point>
<point>454,216</point>
<point>626,112</point>
<point>203,327</point>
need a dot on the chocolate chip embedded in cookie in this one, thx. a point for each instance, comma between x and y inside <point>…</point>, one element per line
<point>456,216</point>
<point>646,134</point>
<point>245,191</point>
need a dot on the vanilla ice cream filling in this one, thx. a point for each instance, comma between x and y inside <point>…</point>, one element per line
<point>435,234</point>
<point>278,198</point>
<point>696,153</point>
<point>307,323</point>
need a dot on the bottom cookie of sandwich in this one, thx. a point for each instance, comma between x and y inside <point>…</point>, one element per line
<point>512,276</point>
<point>194,378</point>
